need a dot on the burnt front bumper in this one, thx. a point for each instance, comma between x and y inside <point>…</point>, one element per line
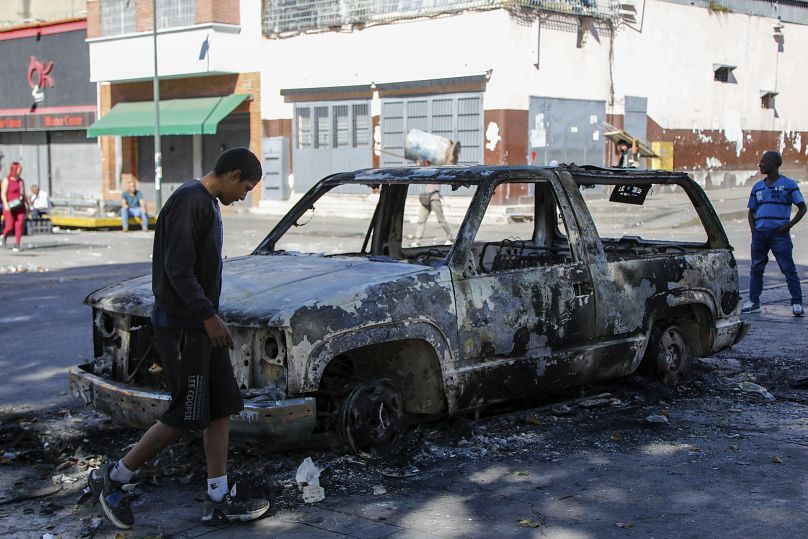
<point>280,423</point>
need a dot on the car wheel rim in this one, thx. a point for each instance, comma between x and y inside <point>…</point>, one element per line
<point>673,354</point>
<point>372,419</point>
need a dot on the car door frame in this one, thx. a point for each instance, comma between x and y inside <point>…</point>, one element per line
<point>487,371</point>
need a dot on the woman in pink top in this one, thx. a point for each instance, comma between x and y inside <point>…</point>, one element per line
<point>12,193</point>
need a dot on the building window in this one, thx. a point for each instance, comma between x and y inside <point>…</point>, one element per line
<point>341,138</point>
<point>172,13</point>
<point>117,17</point>
<point>767,99</point>
<point>321,128</point>
<point>457,117</point>
<point>303,127</point>
<point>723,73</point>
<point>361,125</point>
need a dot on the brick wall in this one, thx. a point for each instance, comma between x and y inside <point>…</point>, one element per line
<point>143,15</point>
<point>93,18</point>
<point>129,158</point>
<point>223,11</point>
<point>108,184</point>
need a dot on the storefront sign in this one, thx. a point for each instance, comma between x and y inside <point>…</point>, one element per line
<point>12,123</point>
<point>47,66</point>
<point>39,78</point>
<point>47,121</point>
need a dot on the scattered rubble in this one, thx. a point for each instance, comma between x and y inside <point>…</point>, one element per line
<point>720,363</point>
<point>750,387</point>
<point>60,448</point>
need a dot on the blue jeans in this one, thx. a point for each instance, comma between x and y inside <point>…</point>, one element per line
<point>780,245</point>
<point>134,212</point>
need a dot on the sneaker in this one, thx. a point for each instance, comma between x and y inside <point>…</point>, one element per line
<point>231,509</point>
<point>96,480</point>
<point>114,501</point>
<point>797,310</point>
<point>750,307</point>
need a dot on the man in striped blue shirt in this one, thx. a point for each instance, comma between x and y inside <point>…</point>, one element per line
<point>770,220</point>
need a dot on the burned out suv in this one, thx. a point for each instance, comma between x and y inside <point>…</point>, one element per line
<point>358,325</point>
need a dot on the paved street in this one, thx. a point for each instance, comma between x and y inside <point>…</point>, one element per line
<point>729,463</point>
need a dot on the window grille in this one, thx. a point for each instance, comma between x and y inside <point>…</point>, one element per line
<point>303,127</point>
<point>321,129</point>
<point>173,13</point>
<point>361,125</point>
<point>117,17</point>
<point>454,116</point>
<point>285,17</point>
<point>341,126</point>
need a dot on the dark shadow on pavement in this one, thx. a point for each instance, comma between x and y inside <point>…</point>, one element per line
<point>46,328</point>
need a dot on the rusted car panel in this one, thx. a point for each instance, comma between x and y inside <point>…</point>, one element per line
<point>439,329</point>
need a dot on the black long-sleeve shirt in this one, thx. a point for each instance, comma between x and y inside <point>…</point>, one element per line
<point>187,258</point>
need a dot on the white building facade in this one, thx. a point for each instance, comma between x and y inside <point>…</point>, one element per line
<point>708,86</point>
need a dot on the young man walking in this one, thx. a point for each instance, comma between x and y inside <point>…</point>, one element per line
<point>770,220</point>
<point>192,341</point>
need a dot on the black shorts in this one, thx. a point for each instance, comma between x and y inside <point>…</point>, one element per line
<point>199,377</point>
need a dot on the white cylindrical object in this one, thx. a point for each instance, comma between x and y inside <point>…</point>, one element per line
<point>422,146</point>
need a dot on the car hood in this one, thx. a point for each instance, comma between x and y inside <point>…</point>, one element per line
<point>258,289</point>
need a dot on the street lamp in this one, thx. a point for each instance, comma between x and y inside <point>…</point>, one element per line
<point>158,155</point>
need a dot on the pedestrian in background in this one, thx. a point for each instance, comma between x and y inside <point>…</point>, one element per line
<point>133,205</point>
<point>629,154</point>
<point>192,342</point>
<point>431,202</point>
<point>769,213</point>
<point>12,193</point>
<point>40,202</point>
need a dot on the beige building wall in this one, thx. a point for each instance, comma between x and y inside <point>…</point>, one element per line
<point>15,12</point>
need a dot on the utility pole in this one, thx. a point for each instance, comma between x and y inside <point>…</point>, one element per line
<point>158,155</point>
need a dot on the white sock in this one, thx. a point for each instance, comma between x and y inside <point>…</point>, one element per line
<point>217,488</point>
<point>121,473</point>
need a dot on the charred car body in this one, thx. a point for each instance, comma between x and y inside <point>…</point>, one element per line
<point>364,339</point>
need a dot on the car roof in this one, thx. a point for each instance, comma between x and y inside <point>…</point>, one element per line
<point>481,173</point>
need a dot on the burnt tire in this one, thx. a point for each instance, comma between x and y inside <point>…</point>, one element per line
<point>372,420</point>
<point>669,357</point>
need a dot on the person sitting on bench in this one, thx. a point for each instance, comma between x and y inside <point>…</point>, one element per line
<point>132,203</point>
<point>40,202</point>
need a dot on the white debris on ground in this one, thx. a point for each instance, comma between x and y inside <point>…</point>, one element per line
<point>21,268</point>
<point>308,481</point>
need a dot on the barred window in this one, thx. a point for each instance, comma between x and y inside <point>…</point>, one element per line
<point>341,126</point>
<point>321,127</point>
<point>172,13</point>
<point>117,17</point>
<point>303,127</point>
<point>361,125</point>
<point>285,17</point>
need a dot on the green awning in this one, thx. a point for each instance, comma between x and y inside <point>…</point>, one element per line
<point>197,116</point>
